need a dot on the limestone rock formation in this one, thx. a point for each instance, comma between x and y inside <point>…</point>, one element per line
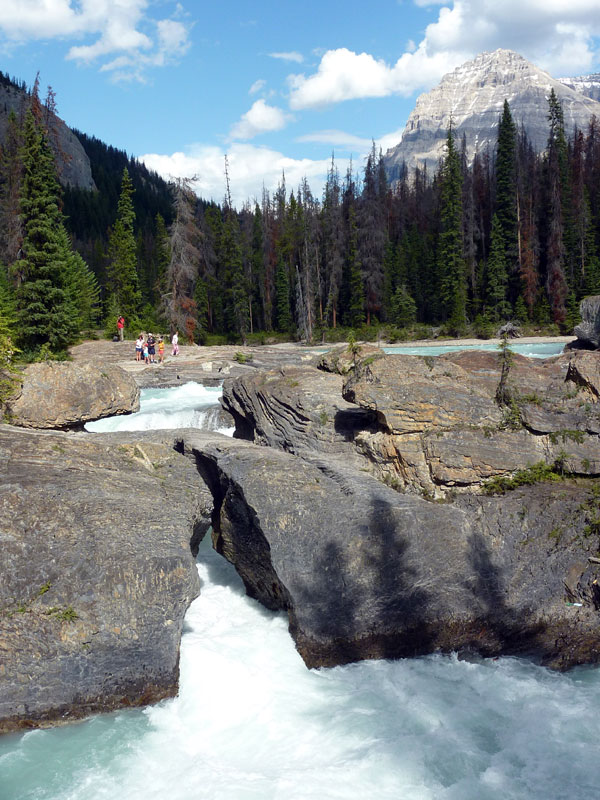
<point>366,572</point>
<point>65,395</point>
<point>430,425</point>
<point>294,408</point>
<point>472,97</point>
<point>588,330</point>
<point>97,570</point>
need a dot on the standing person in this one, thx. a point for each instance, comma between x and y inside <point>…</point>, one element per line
<point>175,343</point>
<point>139,346</point>
<point>151,347</point>
<point>161,350</point>
<point>145,352</point>
<point>121,327</point>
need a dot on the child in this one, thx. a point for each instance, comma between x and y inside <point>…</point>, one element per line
<point>161,350</point>
<point>145,352</point>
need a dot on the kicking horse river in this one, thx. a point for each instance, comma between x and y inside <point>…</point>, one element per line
<point>250,722</point>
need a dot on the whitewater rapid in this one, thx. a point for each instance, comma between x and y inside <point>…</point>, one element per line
<point>252,723</point>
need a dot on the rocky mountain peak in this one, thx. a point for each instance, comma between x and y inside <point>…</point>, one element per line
<point>472,97</point>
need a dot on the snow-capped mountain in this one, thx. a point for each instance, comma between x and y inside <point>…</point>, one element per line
<point>472,98</point>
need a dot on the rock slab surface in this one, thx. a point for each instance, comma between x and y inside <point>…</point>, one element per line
<point>97,571</point>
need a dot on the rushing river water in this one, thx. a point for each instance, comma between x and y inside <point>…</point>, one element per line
<point>252,723</point>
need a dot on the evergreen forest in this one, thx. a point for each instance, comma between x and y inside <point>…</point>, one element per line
<point>513,235</point>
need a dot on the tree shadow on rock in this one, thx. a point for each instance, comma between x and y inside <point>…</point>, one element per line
<point>497,628</point>
<point>362,598</point>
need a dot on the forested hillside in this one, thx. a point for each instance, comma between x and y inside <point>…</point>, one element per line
<point>514,235</point>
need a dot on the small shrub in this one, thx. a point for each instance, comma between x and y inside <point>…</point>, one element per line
<point>534,473</point>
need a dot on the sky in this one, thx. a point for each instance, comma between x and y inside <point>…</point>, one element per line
<point>276,87</point>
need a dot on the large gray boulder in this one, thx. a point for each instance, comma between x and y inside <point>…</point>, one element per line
<point>55,394</point>
<point>97,571</point>
<point>588,330</point>
<point>366,572</point>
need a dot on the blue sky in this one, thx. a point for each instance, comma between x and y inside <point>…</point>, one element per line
<point>277,86</point>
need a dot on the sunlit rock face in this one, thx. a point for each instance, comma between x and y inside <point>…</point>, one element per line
<point>472,98</point>
<point>72,162</point>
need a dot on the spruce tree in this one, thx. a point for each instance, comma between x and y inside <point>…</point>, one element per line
<point>46,314</point>
<point>403,308</point>
<point>121,271</point>
<point>506,197</point>
<point>451,263</point>
<point>556,177</point>
<point>282,298</point>
<point>496,288</point>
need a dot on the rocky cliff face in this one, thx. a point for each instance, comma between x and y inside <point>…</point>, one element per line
<point>72,161</point>
<point>587,85</point>
<point>472,97</point>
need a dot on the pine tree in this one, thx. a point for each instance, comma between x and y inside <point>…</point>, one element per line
<point>403,308</point>
<point>202,310</point>
<point>506,196</point>
<point>122,275</point>
<point>497,305</point>
<point>282,295</point>
<point>333,244</point>
<point>46,314</point>
<point>161,258</point>
<point>450,248</point>
<point>556,282</point>
<point>355,314</point>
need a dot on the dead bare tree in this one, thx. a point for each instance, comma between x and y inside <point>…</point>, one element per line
<point>178,304</point>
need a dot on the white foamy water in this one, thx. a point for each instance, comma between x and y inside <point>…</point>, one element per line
<point>252,723</point>
<point>190,405</point>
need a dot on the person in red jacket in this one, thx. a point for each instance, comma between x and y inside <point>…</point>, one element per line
<point>121,327</point>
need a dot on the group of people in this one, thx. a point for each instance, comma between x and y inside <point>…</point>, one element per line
<point>148,347</point>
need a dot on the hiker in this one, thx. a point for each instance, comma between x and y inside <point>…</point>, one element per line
<point>161,350</point>
<point>151,348</point>
<point>175,343</point>
<point>121,327</point>
<point>139,346</point>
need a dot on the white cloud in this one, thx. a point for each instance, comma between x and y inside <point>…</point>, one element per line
<point>291,56</point>
<point>257,86</point>
<point>335,138</point>
<point>122,30</point>
<point>250,168</point>
<point>261,118</point>
<point>556,35</point>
